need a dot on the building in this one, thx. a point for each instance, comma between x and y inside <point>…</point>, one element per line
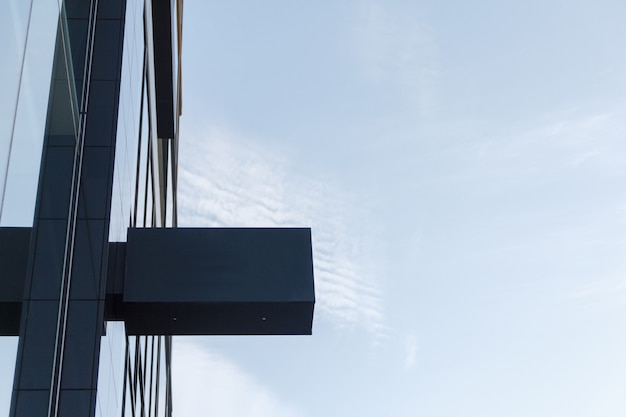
<point>114,102</point>
<point>95,337</point>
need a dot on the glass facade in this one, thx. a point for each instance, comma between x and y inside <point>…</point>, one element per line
<point>27,30</point>
<point>141,362</point>
<point>83,162</point>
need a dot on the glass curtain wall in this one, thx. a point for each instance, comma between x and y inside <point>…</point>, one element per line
<point>28,31</point>
<point>134,377</point>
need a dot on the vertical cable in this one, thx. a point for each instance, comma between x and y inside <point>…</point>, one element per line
<point>124,375</point>
<point>168,375</point>
<point>130,375</point>
<point>145,197</point>
<point>151,376</point>
<point>139,376</point>
<point>152,187</point>
<point>142,380</point>
<point>158,376</point>
<point>140,134</point>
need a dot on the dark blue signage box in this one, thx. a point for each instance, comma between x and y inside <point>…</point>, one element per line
<point>219,281</point>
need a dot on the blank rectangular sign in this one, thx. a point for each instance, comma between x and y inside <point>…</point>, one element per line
<point>219,281</point>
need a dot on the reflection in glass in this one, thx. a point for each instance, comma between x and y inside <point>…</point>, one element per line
<point>28,32</point>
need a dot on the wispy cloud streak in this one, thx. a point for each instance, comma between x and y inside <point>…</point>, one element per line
<point>228,182</point>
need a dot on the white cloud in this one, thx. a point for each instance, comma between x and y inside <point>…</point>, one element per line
<point>207,384</point>
<point>225,181</point>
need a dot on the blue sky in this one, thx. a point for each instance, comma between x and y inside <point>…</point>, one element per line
<point>462,166</point>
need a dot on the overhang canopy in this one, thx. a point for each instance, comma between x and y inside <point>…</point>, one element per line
<point>213,281</point>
